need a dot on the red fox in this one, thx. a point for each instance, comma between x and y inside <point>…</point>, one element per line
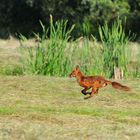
<point>94,82</point>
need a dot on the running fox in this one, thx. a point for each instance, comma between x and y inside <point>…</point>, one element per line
<point>94,82</point>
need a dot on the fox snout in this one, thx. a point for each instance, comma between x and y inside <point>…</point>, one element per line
<point>70,75</point>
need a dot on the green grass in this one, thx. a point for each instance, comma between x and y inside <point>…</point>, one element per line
<point>40,107</point>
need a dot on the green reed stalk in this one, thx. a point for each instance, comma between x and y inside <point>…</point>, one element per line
<point>48,57</point>
<point>115,43</point>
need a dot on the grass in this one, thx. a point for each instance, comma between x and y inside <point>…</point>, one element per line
<point>9,58</point>
<point>39,107</point>
<point>42,107</point>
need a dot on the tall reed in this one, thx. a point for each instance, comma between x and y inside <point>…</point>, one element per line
<point>56,55</point>
<point>48,57</point>
<point>115,43</point>
<point>87,53</point>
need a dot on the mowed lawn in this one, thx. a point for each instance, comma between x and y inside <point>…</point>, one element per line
<point>50,108</point>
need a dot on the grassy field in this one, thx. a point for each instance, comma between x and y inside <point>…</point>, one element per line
<point>40,108</point>
<point>49,108</point>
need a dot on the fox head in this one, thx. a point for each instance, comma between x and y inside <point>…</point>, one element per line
<point>75,71</point>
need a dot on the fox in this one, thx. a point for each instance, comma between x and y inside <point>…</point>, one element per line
<point>94,83</point>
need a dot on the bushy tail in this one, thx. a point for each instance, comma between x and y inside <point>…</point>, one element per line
<point>118,86</point>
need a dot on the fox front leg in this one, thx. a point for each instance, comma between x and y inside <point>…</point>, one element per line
<point>84,91</point>
<point>94,91</point>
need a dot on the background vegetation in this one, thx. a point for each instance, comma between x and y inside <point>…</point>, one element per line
<point>92,33</point>
<point>23,16</point>
<point>55,54</point>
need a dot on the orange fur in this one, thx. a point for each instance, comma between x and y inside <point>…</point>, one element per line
<point>94,82</point>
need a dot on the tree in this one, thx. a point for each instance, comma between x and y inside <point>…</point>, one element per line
<point>133,21</point>
<point>23,15</point>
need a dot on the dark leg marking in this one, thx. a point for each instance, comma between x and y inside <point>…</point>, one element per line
<point>84,91</point>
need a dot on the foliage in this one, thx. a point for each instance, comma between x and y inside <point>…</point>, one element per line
<point>87,53</point>
<point>23,16</point>
<point>133,20</point>
<point>48,57</point>
<point>56,55</point>
<point>115,43</point>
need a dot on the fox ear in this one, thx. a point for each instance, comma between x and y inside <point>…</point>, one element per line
<point>77,67</point>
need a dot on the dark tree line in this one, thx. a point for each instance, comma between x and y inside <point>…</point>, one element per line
<point>22,16</point>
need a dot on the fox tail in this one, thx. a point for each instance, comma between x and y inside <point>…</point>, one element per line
<point>119,86</point>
